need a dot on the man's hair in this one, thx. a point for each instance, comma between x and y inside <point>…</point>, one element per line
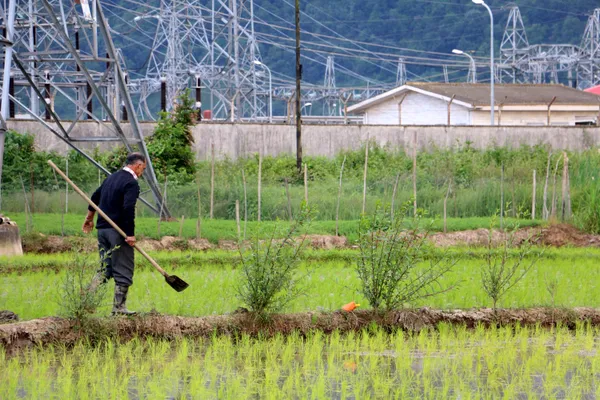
<point>132,158</point>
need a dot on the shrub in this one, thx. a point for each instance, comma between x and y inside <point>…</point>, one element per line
<point>77,300</point>
<point>506,264</point>
<point>269,278</point>
<point>390,263</point>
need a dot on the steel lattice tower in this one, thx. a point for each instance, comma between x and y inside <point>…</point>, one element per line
<point>54,51</point>
<point>514,47</point>
<point>215,45</point>
<point>588,71</point>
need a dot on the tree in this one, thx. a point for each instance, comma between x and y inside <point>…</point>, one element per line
<point>170,147</point>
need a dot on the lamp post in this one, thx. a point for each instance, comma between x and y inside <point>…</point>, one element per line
<point>305,105</point>
<point>482,3</point>
<point>472,68</point>
<point>256,62</point>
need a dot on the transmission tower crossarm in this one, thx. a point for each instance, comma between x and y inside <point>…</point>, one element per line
<point>149,173</point>
<point>86,73</point>
<point>64,138</point>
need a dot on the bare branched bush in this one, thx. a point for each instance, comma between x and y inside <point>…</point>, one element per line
<point>79,298</point>
<point>506,264</point>
<point>395,265</point>
<point>269,270</point>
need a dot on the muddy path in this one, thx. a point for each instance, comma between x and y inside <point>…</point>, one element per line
<point>54,330</point>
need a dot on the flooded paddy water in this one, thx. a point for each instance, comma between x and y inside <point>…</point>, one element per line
<point>448,362</point>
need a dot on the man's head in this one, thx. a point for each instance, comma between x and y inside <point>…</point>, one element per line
<point>136,162</point>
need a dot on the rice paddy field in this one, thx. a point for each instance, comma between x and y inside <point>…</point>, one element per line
<point>450,361</point>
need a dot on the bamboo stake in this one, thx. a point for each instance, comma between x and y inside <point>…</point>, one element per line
<point>32,186</point>
<point>553,205</point>
<point>289,200</point>
<point>181,226</point>
<point>199,220</point>
<point>502,195</point>
<point>245,202</point>
<point>62,209</point>
<point>415,173</point>
<point>394,191</point>
<point>533,195</point>
<point>162,205</point>
<point>566,190</point>
<point>446,202</point>
<point>364,202</point>
<point>259,184</point>
<point>237,217</point>
<point>67,187</point>
<point>212,179</point>
<point>545,211</point>
<point>337,208</point>
<point>27,209</point>
<point>306,183</point>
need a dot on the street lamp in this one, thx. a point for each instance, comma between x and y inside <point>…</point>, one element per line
<point>256,62</point>
<point>473,67</point>
<point>482,3</point>
<point>305,105</point>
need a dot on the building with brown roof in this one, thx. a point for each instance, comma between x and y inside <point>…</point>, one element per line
<point>419,103</point>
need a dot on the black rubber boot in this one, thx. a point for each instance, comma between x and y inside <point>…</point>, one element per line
<point>119,307</point>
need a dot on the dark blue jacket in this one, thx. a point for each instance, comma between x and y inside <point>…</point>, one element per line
<point>117,197</point>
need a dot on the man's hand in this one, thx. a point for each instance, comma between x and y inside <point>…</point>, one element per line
<point>88,225</point>
<point>130,240</point>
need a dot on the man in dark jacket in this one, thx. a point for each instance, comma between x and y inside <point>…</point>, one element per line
<point>116,197</point>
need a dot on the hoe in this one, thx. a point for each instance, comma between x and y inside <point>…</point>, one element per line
<point>173,281</point>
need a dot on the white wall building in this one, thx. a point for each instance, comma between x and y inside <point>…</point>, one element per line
<point>469,104</point>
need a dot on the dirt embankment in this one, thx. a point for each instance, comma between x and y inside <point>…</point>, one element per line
<point>53,330</point>
<point>554,235</point>
<point>49,244</point>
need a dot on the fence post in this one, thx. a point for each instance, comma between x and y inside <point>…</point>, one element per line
<point>289,200</point>
<point>212,179</point>
<point>245,202</point>
<point>533,195</point>
<point>199,220</point>
<point>415,172</point>
<point>337,208</point>
<point>259,184</point>
<point>237,218</point>
<point>545,212</point>
<point>446,202</point>
<point>365,176</point>
<point>306,183</point>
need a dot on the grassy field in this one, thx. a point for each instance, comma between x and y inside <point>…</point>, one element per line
<point>561,278</point>
<point>450,362</point>
<point>213,230</point>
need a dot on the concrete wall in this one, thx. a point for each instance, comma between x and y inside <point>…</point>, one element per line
<point>241,140</point>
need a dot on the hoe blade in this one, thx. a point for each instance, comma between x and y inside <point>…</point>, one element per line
<point>176,283</point>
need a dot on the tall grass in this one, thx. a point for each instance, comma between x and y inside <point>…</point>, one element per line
<point>475,177</point>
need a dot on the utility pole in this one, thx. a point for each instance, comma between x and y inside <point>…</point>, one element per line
<point>298,95</point>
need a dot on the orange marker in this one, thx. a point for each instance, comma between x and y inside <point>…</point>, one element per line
<point>350,306</point>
